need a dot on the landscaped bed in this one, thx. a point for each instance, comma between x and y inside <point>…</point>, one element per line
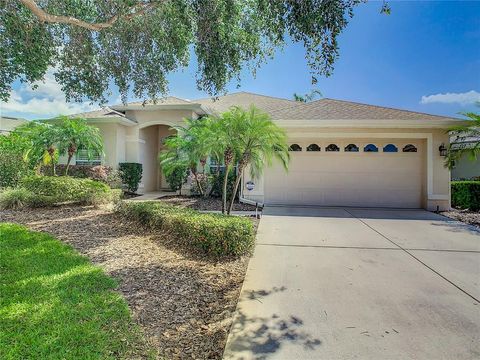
<point>183,299</point>
<point>466,216</point>
<point>203,203</point>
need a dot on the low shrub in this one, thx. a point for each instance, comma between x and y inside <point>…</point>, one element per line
<point>466,195</point>
<point>131,174</point>
<point>215,234</point>
<point>39,191</point>
<point>102,173</point>
<point>13,166</point>
<point>15,198</point>
<point>176,176</point>
<point>76,171</point>
<point>217,185</point>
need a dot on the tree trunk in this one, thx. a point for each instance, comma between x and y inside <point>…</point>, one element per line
<point>68,164</point>
<point>241,167</point>
<point>71,151</point>
<point>51,153</point>
<point>224,191</point>
<point>199,186</point>
<point>227,160</point>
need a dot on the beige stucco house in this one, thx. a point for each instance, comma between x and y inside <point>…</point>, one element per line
<point>343,153</point>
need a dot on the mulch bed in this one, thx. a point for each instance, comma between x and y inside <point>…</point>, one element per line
<point>200,203</point>
<point>466,216</point>
<point>183,300</point>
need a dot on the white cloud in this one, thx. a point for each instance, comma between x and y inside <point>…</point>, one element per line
<point>465,98</point>
<point>47,100</point>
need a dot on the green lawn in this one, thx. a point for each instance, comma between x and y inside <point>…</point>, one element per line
<point>54,304</point>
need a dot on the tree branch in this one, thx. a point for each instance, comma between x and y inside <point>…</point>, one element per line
<point>138,9</point>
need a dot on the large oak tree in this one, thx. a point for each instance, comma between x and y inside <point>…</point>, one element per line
<point>137,43</point>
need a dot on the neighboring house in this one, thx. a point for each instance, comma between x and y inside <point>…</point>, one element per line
<point>343,153</point>
<point>8,123</point>
<point>465,167</point>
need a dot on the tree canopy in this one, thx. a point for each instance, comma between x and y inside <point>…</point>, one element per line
<point>135,44</point>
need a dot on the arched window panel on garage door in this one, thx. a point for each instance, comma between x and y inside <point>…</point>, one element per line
<point>332,147</point>
<point>390,148</point>
<point>409,148</point>
<point>295,147</point>
<point>351,148</point>
<point>313,147</point>
<point>370,148</point>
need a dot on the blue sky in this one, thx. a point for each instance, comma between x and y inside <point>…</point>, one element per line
<point>426,50</point>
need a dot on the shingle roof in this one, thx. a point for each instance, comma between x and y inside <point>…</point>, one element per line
<point>98,114</point>
<point>244,99</point>
<point>169,100</point>
<point>330,109</point>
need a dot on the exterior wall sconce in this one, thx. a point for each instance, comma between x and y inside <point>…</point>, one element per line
<point>443,150</point>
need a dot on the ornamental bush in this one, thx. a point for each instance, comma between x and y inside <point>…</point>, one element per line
<point>215,234</point>
<point>466,195</point>
<point>13,167</point>
<point>40,191</point>
<point>177,176</point>
<point>131,174</point>
<point>217,185</point>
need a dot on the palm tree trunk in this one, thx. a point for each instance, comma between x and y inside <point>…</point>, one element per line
<point>71,151</point>
<point>224,191</point>
<point>68,164</point>
<point>199,186</point>
<point>241,166</point>
<point>51,153</point>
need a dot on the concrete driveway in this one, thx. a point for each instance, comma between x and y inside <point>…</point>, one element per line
<point>332,283</point>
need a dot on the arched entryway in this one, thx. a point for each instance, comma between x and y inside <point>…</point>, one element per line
<point>152,139</point>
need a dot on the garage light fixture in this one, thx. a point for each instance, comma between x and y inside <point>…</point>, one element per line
<point>443,150</point>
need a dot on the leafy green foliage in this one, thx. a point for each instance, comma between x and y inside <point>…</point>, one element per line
<point>76,134</point>
<point>307,97</point>
<point>217,185</point>
<point>466,195</point>
<point>43,139</point>
<point>188,148</point>
<point>12,165</point>
<point>257,142</point>
<point>54,304</point>
<point>215,234</point>
<point>131,174</point>
<point>176,176</point>
<point>40,191</point>
<point>136,44</point>
<point>15,198</point>
<point>465,140</point>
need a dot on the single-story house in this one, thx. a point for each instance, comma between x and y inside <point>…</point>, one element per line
<point>465,168</point>
<point>8,123</point>
<point>343,153</point>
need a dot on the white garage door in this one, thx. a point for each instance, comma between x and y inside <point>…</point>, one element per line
<point>366,179</point>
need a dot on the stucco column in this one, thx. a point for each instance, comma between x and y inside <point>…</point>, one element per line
<point>133,142</point>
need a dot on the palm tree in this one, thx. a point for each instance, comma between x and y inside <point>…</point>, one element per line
<point>187,148</point>
<point>221,145</point>
<point>44,139</point>
<point>258,140</point>
<point>307,97</point>
<point>76,134</point>
<point>465,140</point>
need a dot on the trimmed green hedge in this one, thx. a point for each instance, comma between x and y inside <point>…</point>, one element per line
<point>39,191</point>
<point>215,234</point>
<point>466,195</point>
<point>131,174</point>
